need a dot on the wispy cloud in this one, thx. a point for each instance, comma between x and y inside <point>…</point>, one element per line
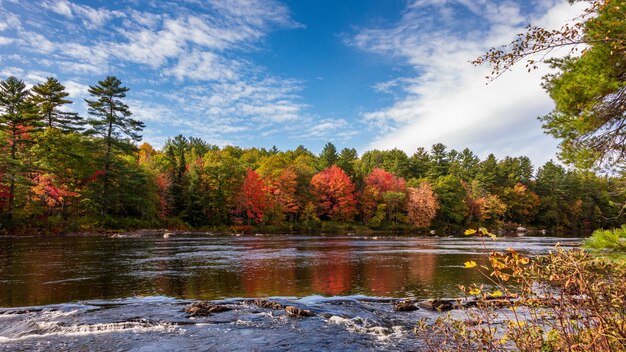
<point>183,56</point>
<point>446,99</point>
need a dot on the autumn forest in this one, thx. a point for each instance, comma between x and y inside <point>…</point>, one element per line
<point>61,172</point>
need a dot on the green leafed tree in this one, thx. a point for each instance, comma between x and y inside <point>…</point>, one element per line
<point>18,122</point>
<point>328,156</point>
<point>589,89</point>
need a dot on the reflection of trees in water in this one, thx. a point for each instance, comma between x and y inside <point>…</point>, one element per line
<point>274,276</point>
<point>332,272</point>
<point>422,268</point>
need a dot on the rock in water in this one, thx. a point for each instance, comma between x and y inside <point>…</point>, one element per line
<point>263,303</point>
<point>442,305</point>
<point>297,312</point>
<point>404,306</point>
<point>203,309</point>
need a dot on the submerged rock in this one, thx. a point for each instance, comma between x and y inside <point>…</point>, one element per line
<point>404,306</point>
<point>264,303</point>
<point>203,309</point>
<point>297,312</point>
<point>441,305</point>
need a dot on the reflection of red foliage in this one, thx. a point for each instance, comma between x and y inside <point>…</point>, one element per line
<point>251,200</point>
<point>384,279</point>
<point>335,193</point>
<point>333,275</point>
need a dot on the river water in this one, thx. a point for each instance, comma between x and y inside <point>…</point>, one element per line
<point>103,294</point>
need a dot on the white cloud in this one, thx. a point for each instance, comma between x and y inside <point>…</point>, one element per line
<point>204,66</point>
<point>447,100</point>
<point>89,16</point>
<point>61,7</point>
<point>76,90</point>
<point>191,46</point>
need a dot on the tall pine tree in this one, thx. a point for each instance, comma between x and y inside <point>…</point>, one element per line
<point>49,97</point>
<point>18,122</point>
<point>113,123</point>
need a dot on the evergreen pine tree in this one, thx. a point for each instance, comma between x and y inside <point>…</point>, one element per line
<point>49,97</point>
<point>113,123</point>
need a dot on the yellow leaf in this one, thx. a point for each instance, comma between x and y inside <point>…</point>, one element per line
<point>469,232</point>
<point>470,264</point>
<point>496,293</point>
<point>503,339</point>
<point>524,260</point>
<point>474,291</point>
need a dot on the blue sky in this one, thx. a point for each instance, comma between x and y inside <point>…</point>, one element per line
<point>365,74</point>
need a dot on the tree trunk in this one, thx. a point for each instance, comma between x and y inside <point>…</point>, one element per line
<point>12,182</point>
<point>107,161</point>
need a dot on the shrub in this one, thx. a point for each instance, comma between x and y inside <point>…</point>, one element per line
<point>614,239</point>
<point>564,301</point>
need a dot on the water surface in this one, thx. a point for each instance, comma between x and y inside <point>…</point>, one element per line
<point>73,292</point>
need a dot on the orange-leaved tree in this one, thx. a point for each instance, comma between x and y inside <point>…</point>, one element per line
<point>251,200</point>
<point>422,205</point>
<point>335,193</point>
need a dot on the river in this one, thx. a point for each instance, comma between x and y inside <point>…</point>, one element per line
<point>102,294</point>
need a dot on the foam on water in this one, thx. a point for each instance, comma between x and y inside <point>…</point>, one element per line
<point>53,328</point>
<point>363,326</point>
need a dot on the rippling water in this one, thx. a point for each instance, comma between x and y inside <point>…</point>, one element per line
<point>128,293</point>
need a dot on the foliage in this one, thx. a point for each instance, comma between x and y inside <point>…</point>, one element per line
<point>251,200</point>
<point>336,194</point>
<point>588,89</point>
<point>613,239</point>
<point>422,205</point>
<point>61,178</point>
<point>564,301</point>
<point>49,97</point>
<point>18,122</point>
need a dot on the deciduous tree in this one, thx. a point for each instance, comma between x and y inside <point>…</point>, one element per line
<point>422,205</point>
<point>335,193</point>
<point>251,200</point>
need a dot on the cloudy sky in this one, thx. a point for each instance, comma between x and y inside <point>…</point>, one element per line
<point>360,73</point>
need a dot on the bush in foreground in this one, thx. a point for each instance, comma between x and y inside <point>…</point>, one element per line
<point>564,301</point>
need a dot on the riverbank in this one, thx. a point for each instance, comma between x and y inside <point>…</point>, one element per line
<point>331,228</point>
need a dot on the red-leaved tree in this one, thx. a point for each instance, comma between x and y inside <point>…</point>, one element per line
<point>385,181</point>
<point>377,183</point>
<point>251,200</point>
<point>4,192</point>
<point>335,193</point>
<point>49,192</point>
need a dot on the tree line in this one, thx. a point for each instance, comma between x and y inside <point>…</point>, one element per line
<point>63,172</point>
